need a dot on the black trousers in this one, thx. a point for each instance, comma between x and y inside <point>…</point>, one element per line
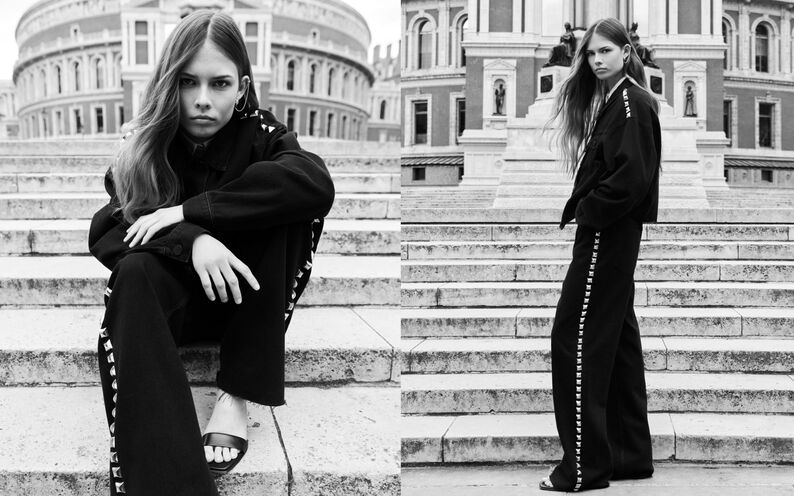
<point>598,377</point>
<point>154,305</point>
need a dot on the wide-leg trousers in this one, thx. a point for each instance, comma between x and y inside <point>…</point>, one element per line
<point>598,378</point>
<point>154,305</point>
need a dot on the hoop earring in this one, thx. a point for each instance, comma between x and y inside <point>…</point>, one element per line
<point>245,102</point>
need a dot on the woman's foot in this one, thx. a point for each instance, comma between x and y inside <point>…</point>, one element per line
<point>230,416</point>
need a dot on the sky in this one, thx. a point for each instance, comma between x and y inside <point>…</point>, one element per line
<point>383,17</point>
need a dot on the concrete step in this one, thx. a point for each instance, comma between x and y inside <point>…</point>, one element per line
<point>555,270</point>
<point>83,205</point>
<point>447,394</point>
<point>653,321</point>
<point>551,213</point>
<point>64,163</point>
<point>669,478</point>
<point>324,345</point>
<point>335,281</point>
<point>504,438</point>
<point>756,355</point>
<point>649,250</point>
<point>551,232</point>
<point>546,294</point>
<point>344,182</point>
<point>55,237</point>
<point>350,449</point>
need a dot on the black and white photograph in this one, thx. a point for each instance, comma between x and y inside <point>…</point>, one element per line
<point>597,285</point>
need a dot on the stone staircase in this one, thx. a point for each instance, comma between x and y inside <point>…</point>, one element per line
<point>336,435</point>
<point>715,303</point>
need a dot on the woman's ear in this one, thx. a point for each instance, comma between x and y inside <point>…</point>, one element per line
<point>243,88</point>
<point>626,52</point>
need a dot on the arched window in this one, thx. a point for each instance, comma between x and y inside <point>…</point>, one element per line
<point>726,38</point>
<point>461,50</point>
<point>43,77</point>
<point>58,79</point>
<point>99,73</point>
<point>761,48</point>
<point>424,45</point>
<point>291,75</point>
<point>383,109</point>
<point>76,74</point>
<point>345,83</point>
<point>331,81</point>
<point>312,77</point>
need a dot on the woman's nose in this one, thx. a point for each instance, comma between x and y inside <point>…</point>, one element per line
<point>202,97</point>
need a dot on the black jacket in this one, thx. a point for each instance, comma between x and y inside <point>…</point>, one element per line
<point>252,185</point>
<point>619,172</point>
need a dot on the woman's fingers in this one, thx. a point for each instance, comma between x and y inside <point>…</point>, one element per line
<point>220,283</point>
<point>154,229</point>
<point>244,271</point>
<point>206,283</point>
<point>231,280</point>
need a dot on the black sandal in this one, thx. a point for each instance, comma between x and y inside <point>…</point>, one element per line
<point>220,440</point>
<point>546,485</point>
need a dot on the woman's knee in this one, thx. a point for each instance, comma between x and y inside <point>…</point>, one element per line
<point>141,270</point>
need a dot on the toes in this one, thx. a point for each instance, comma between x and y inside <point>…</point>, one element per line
<point>235,453</point>
<point>218,454</point>
<point>209,453</point>
<point>227,456</point>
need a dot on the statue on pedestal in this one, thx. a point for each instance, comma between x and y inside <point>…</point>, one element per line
<point>499,99</point>
<point>645,54</point>
<point>689,106</point>
<point>563,53</point>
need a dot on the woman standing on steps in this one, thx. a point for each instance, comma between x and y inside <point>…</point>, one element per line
<point>609,127</point>
<point>212,200</point>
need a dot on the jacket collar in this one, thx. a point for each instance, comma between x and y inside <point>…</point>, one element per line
<point>217,151</point>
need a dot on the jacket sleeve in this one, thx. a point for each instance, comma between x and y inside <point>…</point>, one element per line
<point>108,229</point>
<point>291,185</point>
<point>630,153</point>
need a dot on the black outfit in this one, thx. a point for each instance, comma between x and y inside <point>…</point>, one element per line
<point>598,376</point>
<point>256,191</point>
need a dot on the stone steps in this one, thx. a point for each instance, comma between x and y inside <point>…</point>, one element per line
<point>551,232</point>
<point>344,182</point>
<point>546,294</point>
<point>67,280</point>
<point>82,205</point>
<point>505,438</point>
<point>58,346</point>
<point>349,449</point>
<point>649,250</point>
<point>749,269</point>
<point>483,355</point>
<point>718,322</point>
<point>456,394</point>
<point>55,237</point>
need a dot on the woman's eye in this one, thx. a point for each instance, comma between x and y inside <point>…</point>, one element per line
<point>221,84</point>
<point>185,82</point>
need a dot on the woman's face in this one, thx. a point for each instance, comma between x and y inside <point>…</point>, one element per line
<point>208,88</point>
<point>606,59</point>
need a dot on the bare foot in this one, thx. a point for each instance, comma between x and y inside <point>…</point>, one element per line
<point>230,416</point>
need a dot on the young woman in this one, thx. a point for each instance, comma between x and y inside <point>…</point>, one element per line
<point>609,127</point>
<point>210,232</point>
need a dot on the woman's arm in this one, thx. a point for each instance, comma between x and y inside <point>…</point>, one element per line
<point>108,230</point>
<point>291,185</point>
<point>631,153</point>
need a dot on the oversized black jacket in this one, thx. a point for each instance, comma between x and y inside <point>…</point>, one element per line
<point>253,185</point>
<point>619,172</point>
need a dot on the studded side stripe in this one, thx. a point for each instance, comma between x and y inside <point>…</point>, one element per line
<point>586,301</point>
<point>302,272</point>
<point>115,466</point>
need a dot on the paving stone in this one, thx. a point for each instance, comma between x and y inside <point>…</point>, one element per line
<point>767,321</point>
<point>421,438</point>
<point>458,322</point>
<point>342,441</point>
<point>735,355</point>
<point>734,438</point>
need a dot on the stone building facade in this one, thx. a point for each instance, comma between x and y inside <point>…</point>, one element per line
<point>384,121</point>
<point>9,124</point>
<point>736,56</point>
<point>83,64</point>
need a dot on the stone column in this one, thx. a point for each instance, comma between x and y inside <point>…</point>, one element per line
<point>744,37</point>
<point>442,34</point>
<point>785,40</point>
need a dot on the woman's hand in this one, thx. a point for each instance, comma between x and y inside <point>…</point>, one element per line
<point>213,263</point>
<point>143,229</point>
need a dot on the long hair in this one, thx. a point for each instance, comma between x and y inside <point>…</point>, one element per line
<point>580,96</point>
<point>142,175</point>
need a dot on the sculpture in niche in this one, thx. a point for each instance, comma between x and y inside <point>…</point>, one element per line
<point>646,56</point>
<point>689,104</point>
<point>562,54</point>
<point>499,97</point>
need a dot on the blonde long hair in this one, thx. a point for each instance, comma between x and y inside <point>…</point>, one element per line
<point>580,96</point>
<point>142,175</point>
